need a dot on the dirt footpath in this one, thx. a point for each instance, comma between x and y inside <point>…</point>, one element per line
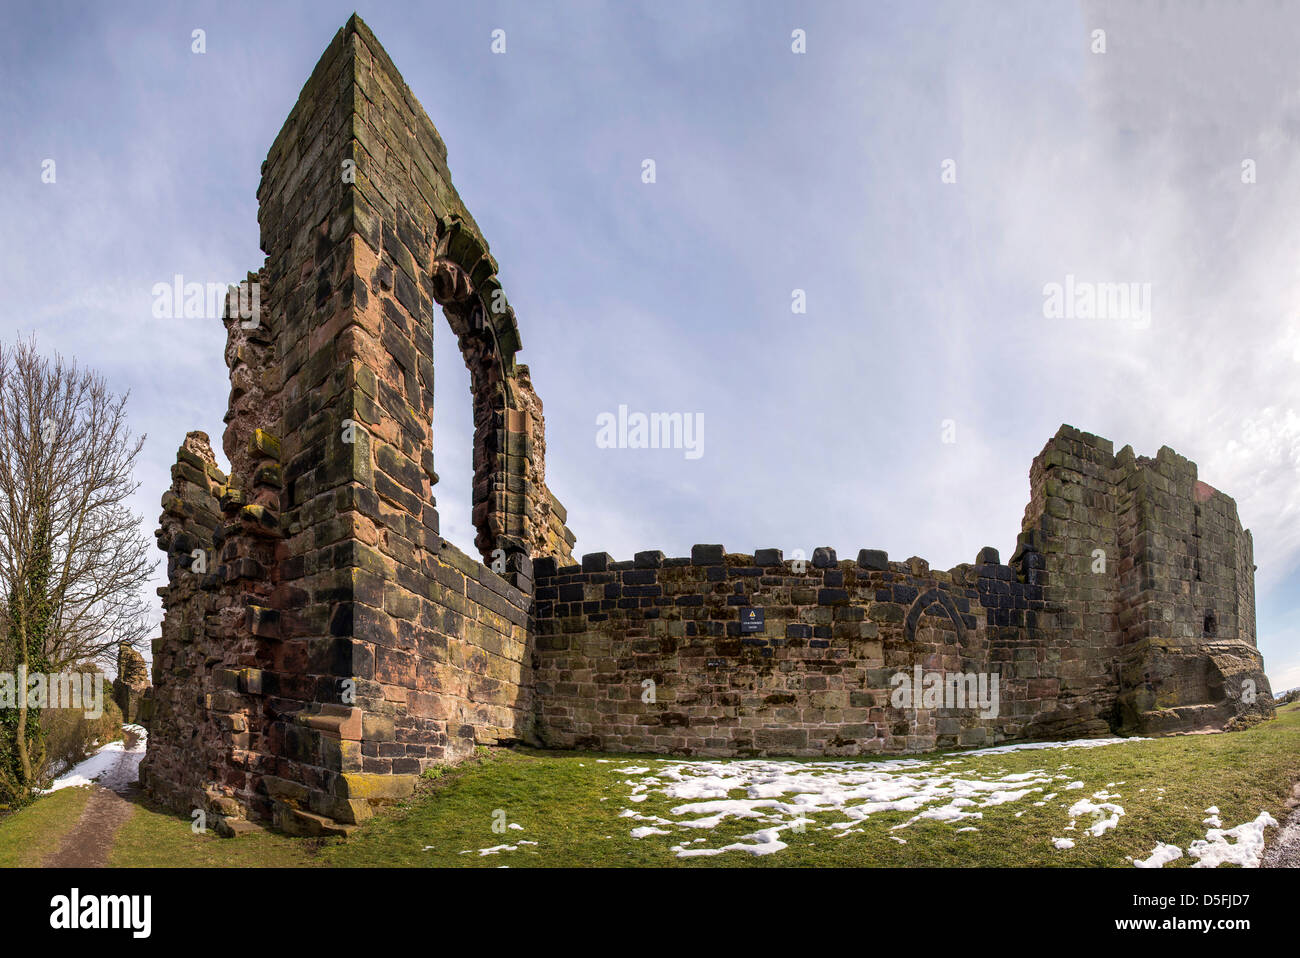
<point>91,839</point>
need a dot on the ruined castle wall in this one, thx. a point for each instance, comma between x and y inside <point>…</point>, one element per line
<point>1189,637</point>
<point>1191,551</point>
<point>346,645</point>
<point>336,645</point>
<point>1149,568</point>
<point>1245,588</point>
<point>818,678</point>
<point>1109,547</point>
<point>187,748</point>
<point>1073,521</point>
<point>211,656</point>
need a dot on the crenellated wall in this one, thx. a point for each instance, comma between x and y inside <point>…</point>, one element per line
<point>651,655</point>
<point>1127,607</point>
<point>331,645</point>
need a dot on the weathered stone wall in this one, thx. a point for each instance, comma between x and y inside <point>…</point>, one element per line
<point>332,644</point>
<point>131,688</point>
<point>650,655</point>
<point>1071,521</point>
<point>1095,626</point>
<point>192,751</point>
<point>338,644</point>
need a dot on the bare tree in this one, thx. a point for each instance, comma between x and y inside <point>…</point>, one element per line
<point>65,448</point>
<point>73,561</point>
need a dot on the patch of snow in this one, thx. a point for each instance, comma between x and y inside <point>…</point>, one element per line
<point>1160,856</point>
<point>1101,824</point>
<point>1074,743</point>
<point>113,766</point>
<point>1214,849</point>
<point>785,795</point>
<point>495,849</point>
<point>1062,843</point>
<point>645,830</point>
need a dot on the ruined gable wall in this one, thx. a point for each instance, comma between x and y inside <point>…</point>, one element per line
<point>347,645</point>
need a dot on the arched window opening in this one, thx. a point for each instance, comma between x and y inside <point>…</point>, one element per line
<point>453,439</point>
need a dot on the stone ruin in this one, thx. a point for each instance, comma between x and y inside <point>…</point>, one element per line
<point>131,687</point>
<point>322,644</point>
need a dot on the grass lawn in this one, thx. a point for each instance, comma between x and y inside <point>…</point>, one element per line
<point>573,805</point>
<point>31,833</point>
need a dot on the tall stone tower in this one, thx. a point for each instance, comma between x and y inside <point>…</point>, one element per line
<point>1153,578</point>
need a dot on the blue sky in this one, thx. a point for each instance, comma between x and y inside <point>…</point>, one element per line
<point>775,172</point>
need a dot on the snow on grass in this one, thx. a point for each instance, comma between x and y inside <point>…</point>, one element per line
<point>1160,856</point>
<point>778,796</point>
<point>645,830</point>
<point>781,796</point>
<point>497,849</point>
<point>1076,743</point>
<point>1248,848</point>
<point>1245,850</point>
<point>1107,814</point>
<point>113,766</point>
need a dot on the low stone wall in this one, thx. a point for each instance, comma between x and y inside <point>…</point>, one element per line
<point>651,655</point>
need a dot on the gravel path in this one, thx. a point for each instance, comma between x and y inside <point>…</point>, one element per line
<point>1284,850</point>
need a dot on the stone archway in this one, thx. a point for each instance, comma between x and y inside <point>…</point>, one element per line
<point>928,600</point>
<point>513,512</point>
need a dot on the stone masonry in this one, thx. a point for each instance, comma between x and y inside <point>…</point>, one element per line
<point>131,688</point>
<point>322,644</point>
